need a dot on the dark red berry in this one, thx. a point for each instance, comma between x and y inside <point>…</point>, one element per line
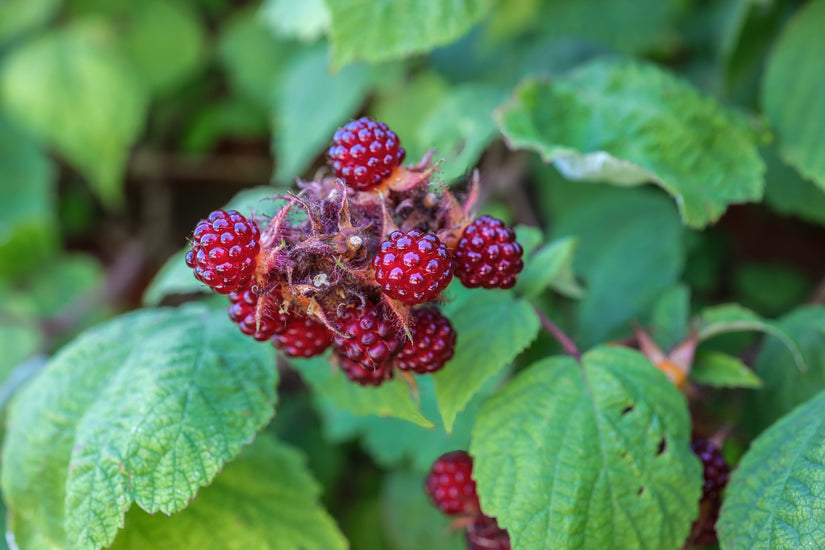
<point>364,153</point>
<point>303,337</point>
<point>244,311</point>
<point>224,250</point>
<point>450,484</point>
<point>366,377</point>
<point>488,255</point>
<point>703,530</point>
<point>433,342</point>
<point>413,267</point>
<point>716,470</point>
<point>368,335</point>
<point>485,534</point>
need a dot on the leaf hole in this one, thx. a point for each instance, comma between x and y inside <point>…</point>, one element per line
<point>640,491</point>
<point>662,446</point>
<point>628,409</point>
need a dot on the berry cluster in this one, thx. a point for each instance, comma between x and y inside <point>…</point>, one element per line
<point>357,261</point>
<point>451,488</point>
<point>715,473</point>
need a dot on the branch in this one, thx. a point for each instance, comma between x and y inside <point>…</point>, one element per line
<point>566,343</point>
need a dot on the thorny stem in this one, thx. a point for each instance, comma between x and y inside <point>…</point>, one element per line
<point>566,343</point>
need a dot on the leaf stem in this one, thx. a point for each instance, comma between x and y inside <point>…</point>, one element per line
<point>566,343</point>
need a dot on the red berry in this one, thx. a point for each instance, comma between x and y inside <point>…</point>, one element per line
<point>716,469</point>
<point>303,337</point>
<point>366,377</point>
<point>371,338</point>
<point>488,255</point>
<point>364,153</point>
<point>451,486</point>
<point>703,530</point>
<point>432,345</point>
<point>244,311</point>
<point>413,267</point>
<point>224,250</point>
<point>485,534</point>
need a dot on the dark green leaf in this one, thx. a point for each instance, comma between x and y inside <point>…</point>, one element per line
<point>789,193</point>
<point>721,370</point>
<point>669,319</point>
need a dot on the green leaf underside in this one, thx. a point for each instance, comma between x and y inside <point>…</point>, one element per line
<point>791,91</point>
<point>393,398</point>
<point>787,192</point>
<point>735,318</point>
<point>629,123</point>
<point>670,315</point>
<point>551,266</point>
<point>146,408</point>
<point>774,498</point>
<point>99,111</point>
<point>378,31</point>
<point>493,327</point>
<point>266,498</point>
<point>588,456</point>
<point>306,20</point>
<point>786,386</point>
<point>721,370</point>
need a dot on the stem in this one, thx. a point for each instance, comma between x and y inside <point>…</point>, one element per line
<point>566,343</point>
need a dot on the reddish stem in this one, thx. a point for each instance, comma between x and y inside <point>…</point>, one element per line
<point>566,343</point>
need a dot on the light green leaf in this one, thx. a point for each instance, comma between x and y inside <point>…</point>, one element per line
<point>604,446</point>
<point>313,104</point>
<point>411,519</point>
<point>175,277</point>
<point>721,370</point>
<point>774,498</point>
<point>735,318</point>
<point>786,385</point>
<point>630,250</point>
<point>266,498</point>
<point>669,319</point>
<point>629,123</point>
<point>19,16</point>
<point>165,41</point>
<point>307,20</point>
<point>493,328</point>
<point>99,110</point>
<point>551,266</point>
<point>28,231</point>
<point>146,408</point>
<point>390,399</point>
<point>461,127</point>
<point>380,31</point>
<point>789,91</point>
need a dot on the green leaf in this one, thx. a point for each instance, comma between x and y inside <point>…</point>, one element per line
<point>669,319</point>
<point>313,104</point>
<point>392,441</point>
<point>68,279</point>
<point>71,88</point>
<point>774,498</point>
<point>391,399</point>
<point>264,499</point>
<point>630,250</point>
<point>629,123</point>
<point>786,385</point>
<point>307,20</point>
<point>735,318</point>
<point>604,446</point>
<point>493,328</point>
<point>411,520</point>
<point>530,238</point>
<point>461,127</point>
<point>789,285</point>
<point>721,370</point>
<point>175,277</point>
<point>379,31</point>
<point>146,408</point>
<point>789,93</point>
<point>551,266</point>
<point>789,193</point>
<point>27,225</point>
<point>20,16</point>
<point>166,43</point>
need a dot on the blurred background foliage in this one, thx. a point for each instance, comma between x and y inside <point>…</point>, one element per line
<point>122,123</point>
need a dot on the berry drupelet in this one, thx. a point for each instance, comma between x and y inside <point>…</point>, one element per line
<point>432,345</point>
<point>413,267</point>
<point>224,250</point>
<point>364,153</point>
<point>488,255</point>
<point>450,484</point>
<point>368,336</point>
